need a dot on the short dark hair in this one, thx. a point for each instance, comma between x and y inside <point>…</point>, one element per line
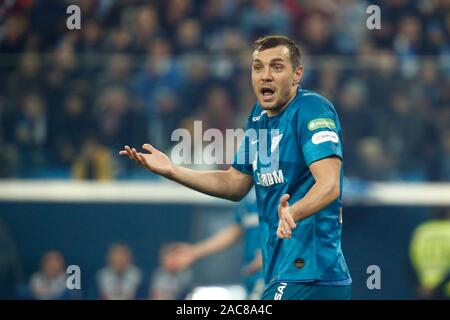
<point>268,42</point>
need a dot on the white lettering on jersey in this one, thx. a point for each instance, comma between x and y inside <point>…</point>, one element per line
<point>280,291</point>
<point>324,136</point>
<point>258,117</point>
<point>269,179</point>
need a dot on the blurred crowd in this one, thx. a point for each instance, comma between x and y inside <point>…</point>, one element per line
<point>118,279</point>
<point>137,70</point>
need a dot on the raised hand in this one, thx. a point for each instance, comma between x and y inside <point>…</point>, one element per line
<point>179,257</point>
<point>286,221</point>
<point>155,160</point>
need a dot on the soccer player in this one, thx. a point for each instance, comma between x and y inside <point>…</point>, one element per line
<point>245,226</point>
<point>298,184</point>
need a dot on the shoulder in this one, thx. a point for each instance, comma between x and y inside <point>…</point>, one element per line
<point>36,277</point>
<point>311,102</point>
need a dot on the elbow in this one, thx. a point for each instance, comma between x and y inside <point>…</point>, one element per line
<point>334,191</point>
<point>236,197</point>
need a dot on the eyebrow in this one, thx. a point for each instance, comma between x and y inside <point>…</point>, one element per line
<point>271,61</point>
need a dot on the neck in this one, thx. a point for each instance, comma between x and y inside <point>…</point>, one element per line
<point>272,113</point>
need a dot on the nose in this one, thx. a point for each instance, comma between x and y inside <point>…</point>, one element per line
<point>267,75</point>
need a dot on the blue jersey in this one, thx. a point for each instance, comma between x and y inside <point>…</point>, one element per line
<point>246,215</point>
<point>277,152</point>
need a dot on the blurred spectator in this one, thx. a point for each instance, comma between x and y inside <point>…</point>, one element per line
<point>118,72</point>
<point>31,132</point>
<point>120,279</point>
<point>119,121</point>
<point>264,17</point>
<point>146,28</point>
<point>70,127</point>
<point>430,256</point>
<point>94,162</point>
<point>168,282</point>
<point>49,283</point>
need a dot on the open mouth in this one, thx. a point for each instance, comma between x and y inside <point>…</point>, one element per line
<point>267,93</point>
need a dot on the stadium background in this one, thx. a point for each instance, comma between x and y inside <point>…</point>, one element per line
<point>137,70</point>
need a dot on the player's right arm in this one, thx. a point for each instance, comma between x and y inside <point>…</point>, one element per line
<point>229,184</point>
<point>182,255</point>
<point>217,242</point>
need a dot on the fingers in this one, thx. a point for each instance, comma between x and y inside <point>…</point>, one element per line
<point>285,225</point>
<point>289,220</point>
<point>286,222</point>
<point>141,159</point>
<point>282,233</point>
<point>284,200</point>
<point>148,147</point>
<point>134,155</point>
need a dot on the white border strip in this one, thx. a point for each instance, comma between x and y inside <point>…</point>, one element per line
<point>133,192</point>
<point>404,194</point>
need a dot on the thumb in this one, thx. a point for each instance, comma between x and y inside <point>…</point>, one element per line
<point>148,147</point>
<point>284,199</point>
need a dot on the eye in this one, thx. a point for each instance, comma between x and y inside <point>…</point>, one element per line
<point>257,67</point>
<point>277,67</point>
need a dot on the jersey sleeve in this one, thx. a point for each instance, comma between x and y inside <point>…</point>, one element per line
<point>319,130</point>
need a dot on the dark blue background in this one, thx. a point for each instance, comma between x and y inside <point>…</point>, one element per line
<point>372,236</point>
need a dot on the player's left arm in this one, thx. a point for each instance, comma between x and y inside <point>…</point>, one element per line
<point>326,189</point>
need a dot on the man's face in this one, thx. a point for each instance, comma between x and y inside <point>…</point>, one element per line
<point>120,259</point>
<point>274,81</point>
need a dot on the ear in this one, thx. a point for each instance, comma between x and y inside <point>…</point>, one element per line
<point>298,74</point>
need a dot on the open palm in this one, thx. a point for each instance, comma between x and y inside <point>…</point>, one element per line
<point>155,160</point>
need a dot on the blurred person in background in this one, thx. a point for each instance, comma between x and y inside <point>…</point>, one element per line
<point>430,256</point>
<point>263,17</point>
<point>245,227</point>
<point>94,162</point>
<point>70,127</point>
<point>49,283</point>
<point>169,281</point>
<point>31,133</point>
<point>120,279</point>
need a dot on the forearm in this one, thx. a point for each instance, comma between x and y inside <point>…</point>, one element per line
<point>218,183</point>
<point>217,242</point>
<point>318,197</point>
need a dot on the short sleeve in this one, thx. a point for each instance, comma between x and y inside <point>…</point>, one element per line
<point>319,130</point>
